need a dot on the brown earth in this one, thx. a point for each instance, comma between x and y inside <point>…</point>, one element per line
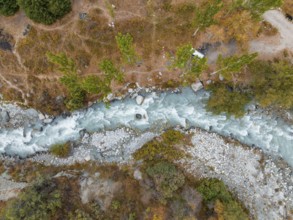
<point>158,27</point>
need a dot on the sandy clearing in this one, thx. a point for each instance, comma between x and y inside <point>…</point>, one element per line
<point>284,39</point>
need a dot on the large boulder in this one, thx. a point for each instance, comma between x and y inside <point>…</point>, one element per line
<point>196,86</point>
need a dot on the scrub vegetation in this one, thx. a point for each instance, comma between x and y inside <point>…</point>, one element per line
<point>162,192</point>
<point>61,150</point>
<point>79,87</point>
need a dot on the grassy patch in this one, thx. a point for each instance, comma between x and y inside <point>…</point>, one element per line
<point>162,148</point>
<point>61,150</point>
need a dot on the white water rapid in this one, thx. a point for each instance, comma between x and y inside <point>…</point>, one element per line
<point>158,111</point>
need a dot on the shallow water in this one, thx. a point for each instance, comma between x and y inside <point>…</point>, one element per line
<point>158,111</point>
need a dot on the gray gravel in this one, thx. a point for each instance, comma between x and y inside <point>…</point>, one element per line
<point>264,186</point>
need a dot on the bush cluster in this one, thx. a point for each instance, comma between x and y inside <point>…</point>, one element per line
<point>40,11</point>
<point>45,11</point>
<point>215,192</point>
<point>166,177</point>
<point>61,150</point>
<point>40,201</point>
<point>8,7</point>
<point>163,148</point>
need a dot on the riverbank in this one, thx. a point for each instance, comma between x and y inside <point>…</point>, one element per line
<point>262,183</point>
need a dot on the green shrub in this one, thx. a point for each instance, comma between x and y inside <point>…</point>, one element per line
<point>8,7</point>
<point>192,66</point>
<point>110,71</point>
<point>166,177</point>
<point>272,84</point>
<point>61,150</point>
<point>40,201</point>
<point>223,100</point>
<point>125,45</point>
<point>45,11</point>
<point>214,191</point>
<point>161,149</point>
<point>171,137</point>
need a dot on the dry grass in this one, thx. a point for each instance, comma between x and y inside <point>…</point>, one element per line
<point>158,28</point>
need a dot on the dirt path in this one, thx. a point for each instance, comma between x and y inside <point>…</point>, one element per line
<point>276,44</point>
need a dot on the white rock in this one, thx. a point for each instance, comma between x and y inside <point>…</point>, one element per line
<point>48,120</point>
<point>110,96</point>
<point>196,86</point>
<point>87,158</point>
<point>137,175</point>
<point>139,99</point>
<point>41,116</point>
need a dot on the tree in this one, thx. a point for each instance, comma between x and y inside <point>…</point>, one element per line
<point>204,16</point>
<point>45,11</point>
<point>70,80</point>
<point>125,45</point>
<point>40,201</point>
<point>166,177</point>
<point>8,7</point>
<point>229,66</point>
<point>93,84</point>
<point>192,66</point>
<point>110,71</point>
<point>272,84</point>
<point>224,99</point>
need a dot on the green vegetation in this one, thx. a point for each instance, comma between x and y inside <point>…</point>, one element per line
<point>61,150</point>
<point>70,80</point>
<point>192,66</point>
<point>205,15</point>
<point>272,84</point>
<point>125,45</point>
<point>257,7</point>
<point>162,192</point>
<point>45,11</point>
<point>166,177</point>
<point>214,191</point>
<point>110,71</point>
<point>8,7</point>
<point>163,148</point>
<point>225,99</point>
<point>78,86</point>
<point>230,66</point>
<point>40,201</point>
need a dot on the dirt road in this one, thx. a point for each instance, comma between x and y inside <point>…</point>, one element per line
<point>280,42</point>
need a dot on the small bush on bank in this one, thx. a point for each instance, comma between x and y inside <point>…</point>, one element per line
<point>227,100</point>
<point>161,149</point>
<point>61,150</point>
